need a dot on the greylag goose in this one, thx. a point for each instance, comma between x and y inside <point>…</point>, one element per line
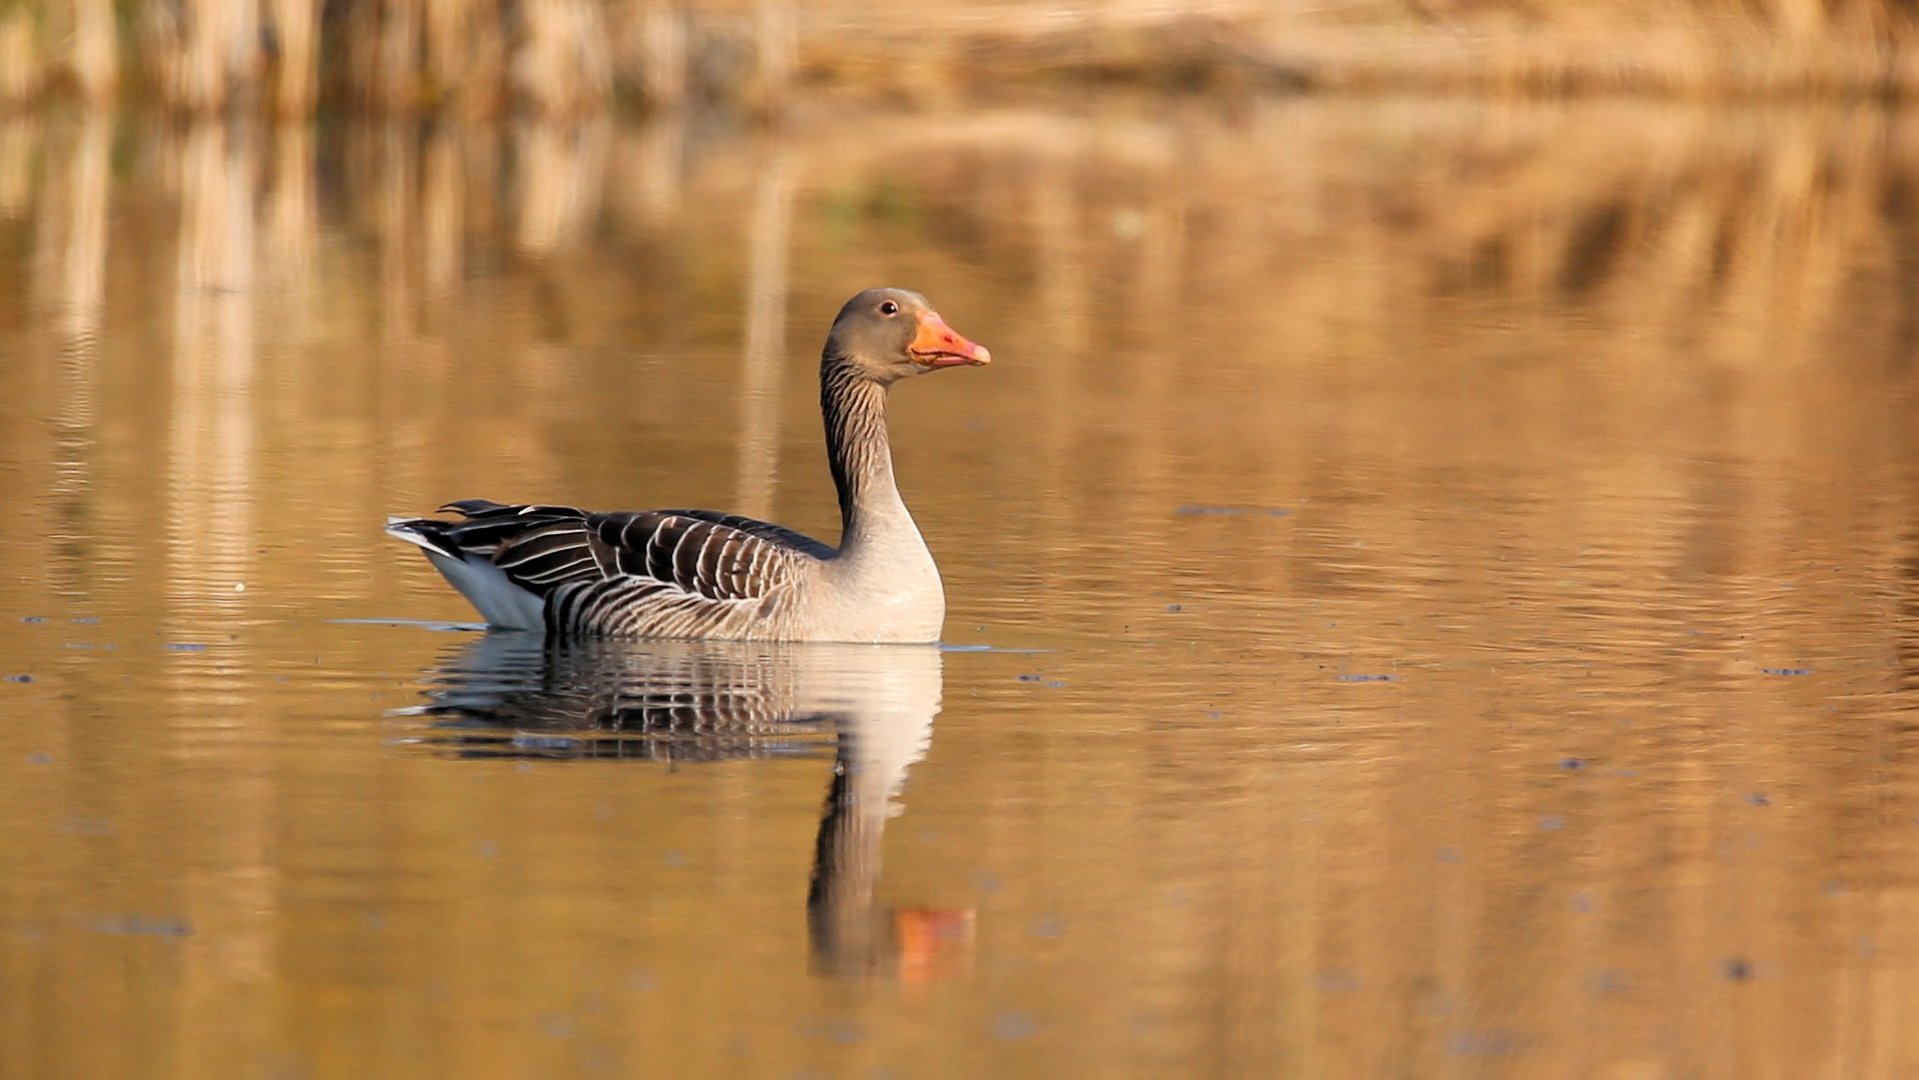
<point>715,576</point>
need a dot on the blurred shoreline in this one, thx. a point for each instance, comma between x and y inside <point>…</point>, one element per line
<point>575,57</point>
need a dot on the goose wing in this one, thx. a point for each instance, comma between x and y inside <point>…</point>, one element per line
<point>687,553</point>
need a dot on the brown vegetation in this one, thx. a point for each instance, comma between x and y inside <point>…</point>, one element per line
<point>569,56</point>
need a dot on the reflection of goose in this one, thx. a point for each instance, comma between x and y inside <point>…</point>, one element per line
<point>524,696</point>
<point>723,577</point>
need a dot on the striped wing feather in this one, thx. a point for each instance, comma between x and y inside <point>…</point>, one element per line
<point>694,553</point>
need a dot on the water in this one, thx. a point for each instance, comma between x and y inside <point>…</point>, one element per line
<point>1433,588</point>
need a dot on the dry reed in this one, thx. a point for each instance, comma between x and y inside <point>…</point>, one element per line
<point>560,57</point>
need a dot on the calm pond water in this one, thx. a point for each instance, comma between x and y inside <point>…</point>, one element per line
<point>1433,589</point>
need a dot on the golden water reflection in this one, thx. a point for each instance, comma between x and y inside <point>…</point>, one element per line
<point>1450,571</point>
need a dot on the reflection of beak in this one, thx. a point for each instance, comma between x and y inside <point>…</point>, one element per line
<point>934,942</point>
<point>938,345</point>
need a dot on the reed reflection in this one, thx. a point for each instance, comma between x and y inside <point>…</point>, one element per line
<point>213,443</point>
<point>870,708</point>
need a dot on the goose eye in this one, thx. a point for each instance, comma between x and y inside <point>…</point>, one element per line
<point>888,307</point>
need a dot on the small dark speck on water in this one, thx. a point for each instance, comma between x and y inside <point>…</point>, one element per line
<point>1759,798</point>
<point>33,618</point>
<point>1572,764</point>
<point>839,1030</point>
<point>1486,1043</point>
<point>1029,678</point>
<point>1014,1025</point>
<point>1048,926</point>
<point>19,678</point>
<point>1175,607</point>
<point>1736,969</point>
<point>1363,678</point>
<point>149,927</point>
<point>185,646</point>
<point>85,620</point>
<point>1606,982</point>
<point>1552,822</point>
<point>1202,510</point>
<point>1056,684</point>
<point>39,757</point>
<point>1787,670</point>
<point>1434,1002</point>
<point>1334,980</point>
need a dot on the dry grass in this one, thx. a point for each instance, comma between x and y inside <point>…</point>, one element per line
<point>558,57</point>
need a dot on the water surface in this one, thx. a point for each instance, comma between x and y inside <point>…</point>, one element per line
<point>1433,589</point>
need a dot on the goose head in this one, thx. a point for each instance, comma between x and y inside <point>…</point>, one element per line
<point>891,334</point>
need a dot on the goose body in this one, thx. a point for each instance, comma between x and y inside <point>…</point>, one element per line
<point>714,576</point>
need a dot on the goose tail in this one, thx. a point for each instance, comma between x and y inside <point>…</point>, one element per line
<point>502,603</point>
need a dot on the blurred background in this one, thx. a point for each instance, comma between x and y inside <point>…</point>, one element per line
<point>1433,569</point>
<point>563,57</point>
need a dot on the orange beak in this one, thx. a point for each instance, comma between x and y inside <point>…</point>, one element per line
<point>938,345</point>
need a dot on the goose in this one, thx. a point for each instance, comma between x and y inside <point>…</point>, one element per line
<point>713,576</point>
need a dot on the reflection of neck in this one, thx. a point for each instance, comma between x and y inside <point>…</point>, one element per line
<point>857,450</point>
<point>847,934</point>
<point>850,936</point>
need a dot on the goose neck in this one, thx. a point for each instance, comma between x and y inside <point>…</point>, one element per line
<point>857,448</point>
